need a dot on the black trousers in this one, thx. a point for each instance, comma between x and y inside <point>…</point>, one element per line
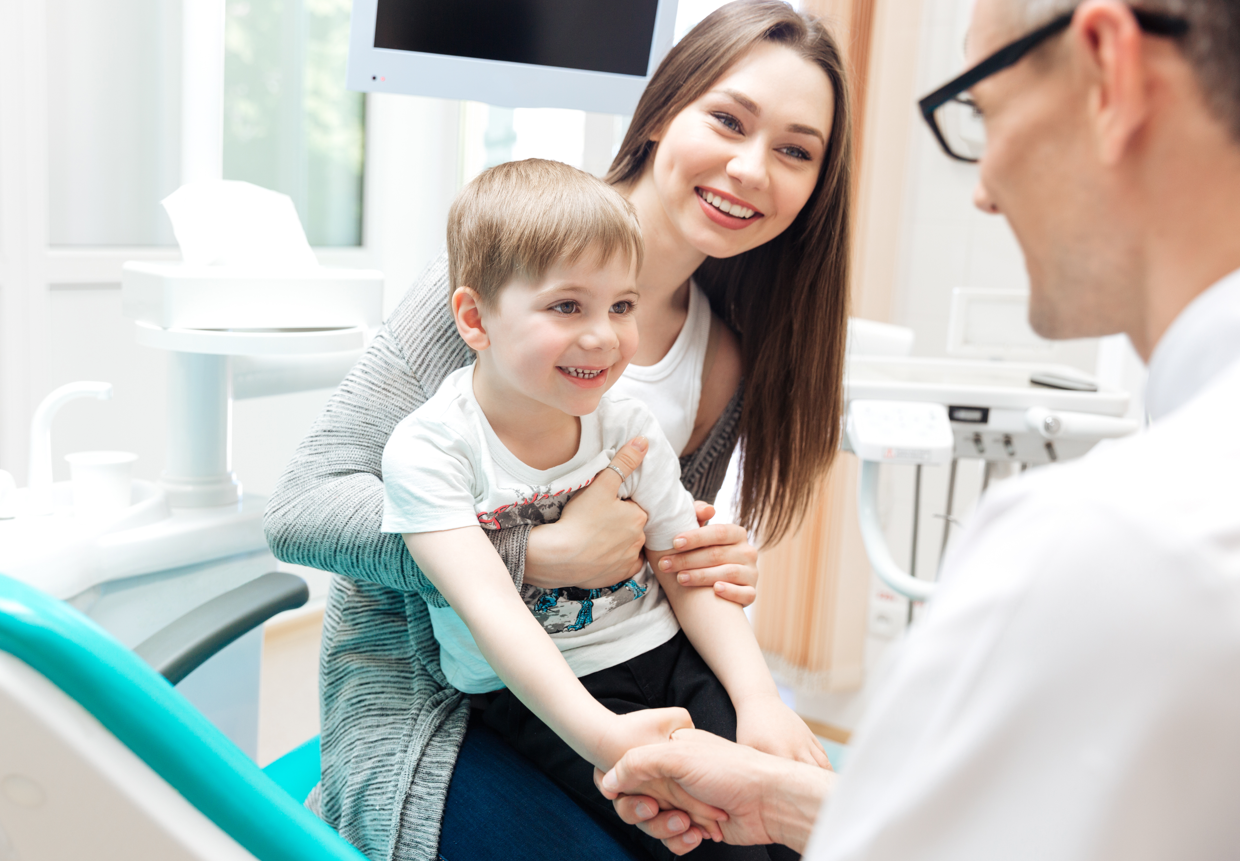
<point>673,674</point>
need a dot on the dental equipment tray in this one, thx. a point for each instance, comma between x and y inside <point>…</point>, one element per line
<point>178,296</point>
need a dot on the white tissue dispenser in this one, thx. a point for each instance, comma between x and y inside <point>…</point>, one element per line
<point>183,296</point>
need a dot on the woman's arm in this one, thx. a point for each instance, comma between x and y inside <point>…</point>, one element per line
<point>328,505</point>
<point>573,551</point>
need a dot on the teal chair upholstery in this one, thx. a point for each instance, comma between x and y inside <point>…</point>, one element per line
<point>149,717</point>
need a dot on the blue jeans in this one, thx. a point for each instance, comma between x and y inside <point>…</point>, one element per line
<point>501,808</point>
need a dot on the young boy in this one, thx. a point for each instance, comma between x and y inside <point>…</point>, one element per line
<point>543,260</point>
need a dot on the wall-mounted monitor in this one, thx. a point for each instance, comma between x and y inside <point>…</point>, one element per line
<point>592,55</point>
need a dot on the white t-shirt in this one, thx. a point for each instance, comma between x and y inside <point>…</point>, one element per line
<point>444,468</point>
<point>672,386</point>
<point>1073,692</point>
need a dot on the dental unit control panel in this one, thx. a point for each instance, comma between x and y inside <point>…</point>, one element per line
<point>935,412</point>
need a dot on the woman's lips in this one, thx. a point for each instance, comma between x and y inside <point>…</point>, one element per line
<point>724,219</point>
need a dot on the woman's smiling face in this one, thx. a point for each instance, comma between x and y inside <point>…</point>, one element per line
<point>734,168</point>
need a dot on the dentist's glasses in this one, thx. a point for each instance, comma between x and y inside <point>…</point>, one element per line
<point>955,121</point>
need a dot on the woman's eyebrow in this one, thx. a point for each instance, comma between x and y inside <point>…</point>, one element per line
<point>750,105</point>
<point>744,101</point>
<point>807,130</point>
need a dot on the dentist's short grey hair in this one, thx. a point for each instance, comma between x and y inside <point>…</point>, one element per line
<point>1212,44</point>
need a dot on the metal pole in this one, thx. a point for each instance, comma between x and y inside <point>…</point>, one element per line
<point>947,517</point>
<point>912,567</point>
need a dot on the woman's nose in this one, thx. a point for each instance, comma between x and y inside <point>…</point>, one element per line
<point>748,168</point>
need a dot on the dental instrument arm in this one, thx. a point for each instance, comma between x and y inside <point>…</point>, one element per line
<point>876,542</point>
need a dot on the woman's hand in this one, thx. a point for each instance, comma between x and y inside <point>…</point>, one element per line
<point>766,724</point>
<point>598,540</point>
<point>717,555</point>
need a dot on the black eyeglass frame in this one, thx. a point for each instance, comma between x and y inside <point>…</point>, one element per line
<point>1154,23</point>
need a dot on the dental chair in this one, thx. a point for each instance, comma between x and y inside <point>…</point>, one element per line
<point>101,758</point>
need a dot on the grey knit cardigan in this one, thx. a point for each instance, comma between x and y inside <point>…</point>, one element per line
<point>391,725</point>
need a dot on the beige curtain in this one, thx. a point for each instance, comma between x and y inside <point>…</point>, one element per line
<point>813,593</point>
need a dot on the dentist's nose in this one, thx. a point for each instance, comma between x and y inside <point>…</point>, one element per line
<point>982,199</point>
<point>748,167</point>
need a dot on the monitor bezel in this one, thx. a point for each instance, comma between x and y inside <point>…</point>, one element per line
<point>496,82</point>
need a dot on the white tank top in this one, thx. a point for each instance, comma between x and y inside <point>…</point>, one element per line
<point>672,387</point>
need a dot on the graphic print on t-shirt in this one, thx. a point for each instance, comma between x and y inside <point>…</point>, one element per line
<point>570,608</point>
<point>536,506</point>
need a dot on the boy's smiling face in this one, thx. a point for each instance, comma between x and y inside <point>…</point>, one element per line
<point>558,343</point>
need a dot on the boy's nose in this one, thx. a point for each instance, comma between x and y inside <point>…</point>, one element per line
<point>600,335</point>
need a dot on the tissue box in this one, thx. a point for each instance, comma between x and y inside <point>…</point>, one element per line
<point>180,296</point>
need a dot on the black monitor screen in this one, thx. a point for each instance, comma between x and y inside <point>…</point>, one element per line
<point>595,35</point>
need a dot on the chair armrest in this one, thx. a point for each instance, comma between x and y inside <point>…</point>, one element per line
<point>182,646</point>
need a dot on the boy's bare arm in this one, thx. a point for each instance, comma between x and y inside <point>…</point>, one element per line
<point>467,571</point>
<point>722,635</point>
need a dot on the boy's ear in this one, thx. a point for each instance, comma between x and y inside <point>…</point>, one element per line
<point>467,312</point>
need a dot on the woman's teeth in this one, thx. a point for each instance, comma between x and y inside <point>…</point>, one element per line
<point>734,209</point>
<point>582,372</point>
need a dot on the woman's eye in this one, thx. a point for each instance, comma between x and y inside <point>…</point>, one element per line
<point>622,307</point>
<point>797,153</point>
<point>564,307</point>
<point>728,121</point>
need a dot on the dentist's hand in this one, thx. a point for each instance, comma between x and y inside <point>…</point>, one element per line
<point>767,799</point>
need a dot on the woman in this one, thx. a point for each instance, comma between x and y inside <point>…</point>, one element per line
<point>737,163</point>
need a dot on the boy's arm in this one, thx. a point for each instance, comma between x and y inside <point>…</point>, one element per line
<point>466,570</point>
<point>722,635</point>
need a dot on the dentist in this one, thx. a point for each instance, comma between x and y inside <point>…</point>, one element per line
<point>1073,691</point>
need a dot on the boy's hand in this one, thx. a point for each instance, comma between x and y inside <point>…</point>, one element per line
<point>649,726</point>
<point>655,726</point>
<point>766,724</point>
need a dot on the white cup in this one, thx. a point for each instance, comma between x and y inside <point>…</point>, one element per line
<point>102,480</point>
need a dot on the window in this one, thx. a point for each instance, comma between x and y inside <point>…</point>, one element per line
<point>289,123</point>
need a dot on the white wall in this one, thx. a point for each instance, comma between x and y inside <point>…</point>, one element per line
<point>945,241</point>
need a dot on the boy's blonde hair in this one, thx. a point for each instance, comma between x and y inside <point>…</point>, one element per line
<point>517,220</point>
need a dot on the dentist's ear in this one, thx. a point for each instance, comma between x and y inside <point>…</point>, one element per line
<point>467,312</point>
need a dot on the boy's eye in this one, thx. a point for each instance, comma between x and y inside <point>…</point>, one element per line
<point>565,307</point>
<point>623,307</point>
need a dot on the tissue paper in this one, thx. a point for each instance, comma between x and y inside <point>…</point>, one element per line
<point>231,223</point>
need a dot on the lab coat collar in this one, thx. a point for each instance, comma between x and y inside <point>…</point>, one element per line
<point>1199,345</point>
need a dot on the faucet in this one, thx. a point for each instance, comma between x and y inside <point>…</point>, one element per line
<point>40,474</point>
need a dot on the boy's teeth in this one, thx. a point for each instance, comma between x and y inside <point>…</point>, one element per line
<point>581,372</point>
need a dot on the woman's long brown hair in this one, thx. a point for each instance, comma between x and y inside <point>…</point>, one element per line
<point>787,300</point>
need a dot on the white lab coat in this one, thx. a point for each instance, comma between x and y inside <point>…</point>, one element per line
<point>1073,691</point>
